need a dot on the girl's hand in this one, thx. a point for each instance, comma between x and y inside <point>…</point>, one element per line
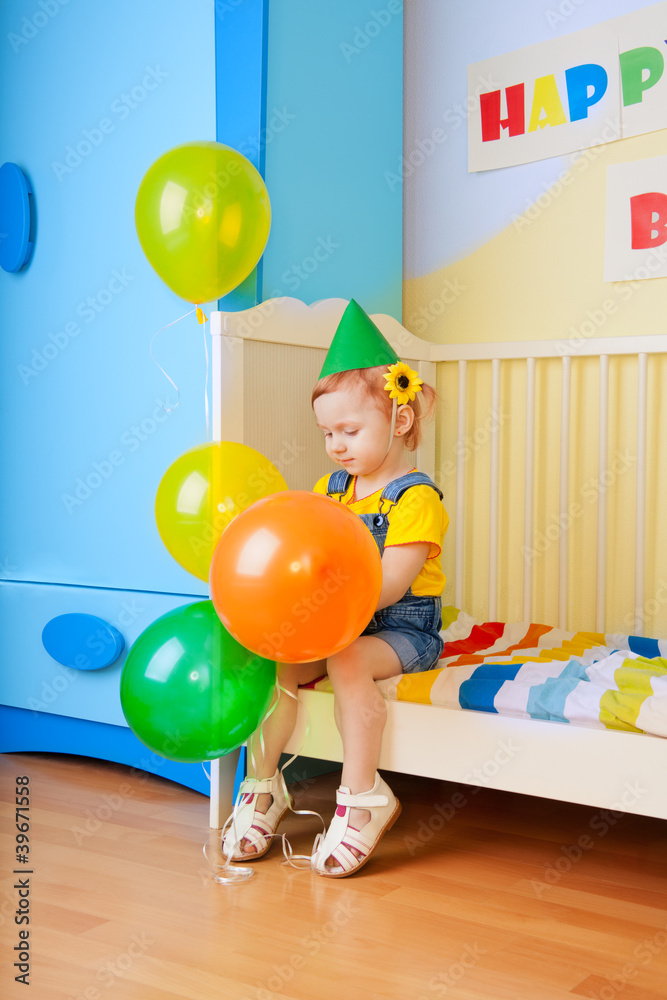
<point>400,566</point>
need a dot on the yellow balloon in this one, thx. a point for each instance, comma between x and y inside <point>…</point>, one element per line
<point>202,491</point>
<point>203,217</point>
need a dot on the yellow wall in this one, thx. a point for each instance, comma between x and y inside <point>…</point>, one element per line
<point>541,278</point>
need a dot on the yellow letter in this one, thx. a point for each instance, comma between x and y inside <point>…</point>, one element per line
<point>546,99</point>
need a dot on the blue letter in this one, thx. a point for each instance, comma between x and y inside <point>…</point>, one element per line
<point>578,80</point>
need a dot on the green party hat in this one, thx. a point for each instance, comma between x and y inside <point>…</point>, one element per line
<point>357,343</point>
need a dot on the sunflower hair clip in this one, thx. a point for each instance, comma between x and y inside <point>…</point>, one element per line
<point>402,383</point>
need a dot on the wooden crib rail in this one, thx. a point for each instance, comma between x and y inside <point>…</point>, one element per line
<point>567,351</point>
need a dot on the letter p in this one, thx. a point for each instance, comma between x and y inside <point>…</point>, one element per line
<point>633,65</point>
<point>579,81</point>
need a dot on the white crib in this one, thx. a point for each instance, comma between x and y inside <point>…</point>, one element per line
<point>282,341</point>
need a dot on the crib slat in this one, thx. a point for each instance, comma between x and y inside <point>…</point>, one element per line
<point>529,480</point>
<point>460,483</point>
<point>564,491</point>
<point>603,446</point>
<point>494,488</point>
<point>640,517</point>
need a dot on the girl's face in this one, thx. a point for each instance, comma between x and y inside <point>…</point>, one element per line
<point>356,432</point>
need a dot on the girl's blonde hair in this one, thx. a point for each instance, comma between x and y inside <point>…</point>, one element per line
<point>371,381</point>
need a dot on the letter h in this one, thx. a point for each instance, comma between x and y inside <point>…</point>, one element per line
<point>489,106</point>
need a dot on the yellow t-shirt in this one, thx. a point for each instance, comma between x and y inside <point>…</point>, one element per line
<point>419,516</point>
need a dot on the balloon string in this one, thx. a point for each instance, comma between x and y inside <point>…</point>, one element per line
<point>202,319</point>
<point>290,857</point>
<point>288,853</point>
<point>203,322</point>
<point>226,873</point>
<point>166,327</point>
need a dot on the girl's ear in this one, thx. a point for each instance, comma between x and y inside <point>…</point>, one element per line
<point>405,418</point>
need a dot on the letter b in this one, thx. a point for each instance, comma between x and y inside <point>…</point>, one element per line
<point>49,7</point>
<point>648,231</point>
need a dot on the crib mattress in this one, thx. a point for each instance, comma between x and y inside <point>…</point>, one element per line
<point>533,671</point>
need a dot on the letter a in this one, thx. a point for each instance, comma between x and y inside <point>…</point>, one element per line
<point>546,99</point>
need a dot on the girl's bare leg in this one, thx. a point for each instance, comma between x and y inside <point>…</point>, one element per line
<point>361,712</point>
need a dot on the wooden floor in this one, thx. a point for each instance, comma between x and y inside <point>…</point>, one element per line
<point>470,896</point>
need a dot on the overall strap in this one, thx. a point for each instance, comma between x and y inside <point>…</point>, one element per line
<point>338,482</point>
<point>394,491</point>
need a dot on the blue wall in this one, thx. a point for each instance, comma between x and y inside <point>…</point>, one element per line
<point>334,126</point>
<point>318,108</point>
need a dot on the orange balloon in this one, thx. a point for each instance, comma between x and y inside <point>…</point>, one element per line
<point>296,577</point>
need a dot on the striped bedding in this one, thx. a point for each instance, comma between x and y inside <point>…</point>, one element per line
<point>533,671</point>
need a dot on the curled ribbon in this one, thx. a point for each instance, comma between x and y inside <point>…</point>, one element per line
<point>202,319</point>
<point>229,873</point>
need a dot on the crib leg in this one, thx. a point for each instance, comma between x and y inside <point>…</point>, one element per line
<point>223,772</point>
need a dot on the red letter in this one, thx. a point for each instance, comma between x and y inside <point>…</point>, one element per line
<point>643,208</point>
<point>489,106</point>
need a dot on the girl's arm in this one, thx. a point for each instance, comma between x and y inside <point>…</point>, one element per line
<point>400,566</point>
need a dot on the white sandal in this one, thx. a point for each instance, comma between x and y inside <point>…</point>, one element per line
<point>246,823</point>
<point>341,838</point>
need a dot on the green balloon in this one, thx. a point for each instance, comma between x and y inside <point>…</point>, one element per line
<point>189,690</point>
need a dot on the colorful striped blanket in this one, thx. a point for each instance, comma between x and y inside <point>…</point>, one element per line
<point>535,671</point>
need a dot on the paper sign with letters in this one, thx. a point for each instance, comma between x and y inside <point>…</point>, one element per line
<point>593,86</point>
<point>636,230</point>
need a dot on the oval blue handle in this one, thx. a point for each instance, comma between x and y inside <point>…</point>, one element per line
<point>82,641</point>
<point>15,217</point>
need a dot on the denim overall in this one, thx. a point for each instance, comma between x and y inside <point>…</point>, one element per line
<point>412,625</point>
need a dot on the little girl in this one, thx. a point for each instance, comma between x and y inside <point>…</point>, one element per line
<point>366,405</point>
